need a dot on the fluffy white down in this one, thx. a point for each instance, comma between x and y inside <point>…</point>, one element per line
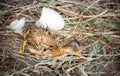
<point>51,19</point>
<point>17,25</point>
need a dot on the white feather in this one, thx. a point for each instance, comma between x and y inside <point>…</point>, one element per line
<point>17,25</point>
<point>51,19</point>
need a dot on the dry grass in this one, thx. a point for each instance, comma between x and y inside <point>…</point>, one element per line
<point>94,23</point>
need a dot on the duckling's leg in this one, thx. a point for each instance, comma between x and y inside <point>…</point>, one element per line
<point>22,47</point>
<point>25,35</point>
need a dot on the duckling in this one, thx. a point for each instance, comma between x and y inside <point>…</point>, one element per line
<point>36,39</point>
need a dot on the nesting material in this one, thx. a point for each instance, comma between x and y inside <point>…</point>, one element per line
<point>17,25</point>
<point>51,19</point>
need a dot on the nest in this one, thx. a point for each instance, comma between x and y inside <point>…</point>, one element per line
<point>95,24</point>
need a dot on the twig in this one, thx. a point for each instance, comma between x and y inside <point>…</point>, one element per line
<point>96,16</point>
<point>90,6</point>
